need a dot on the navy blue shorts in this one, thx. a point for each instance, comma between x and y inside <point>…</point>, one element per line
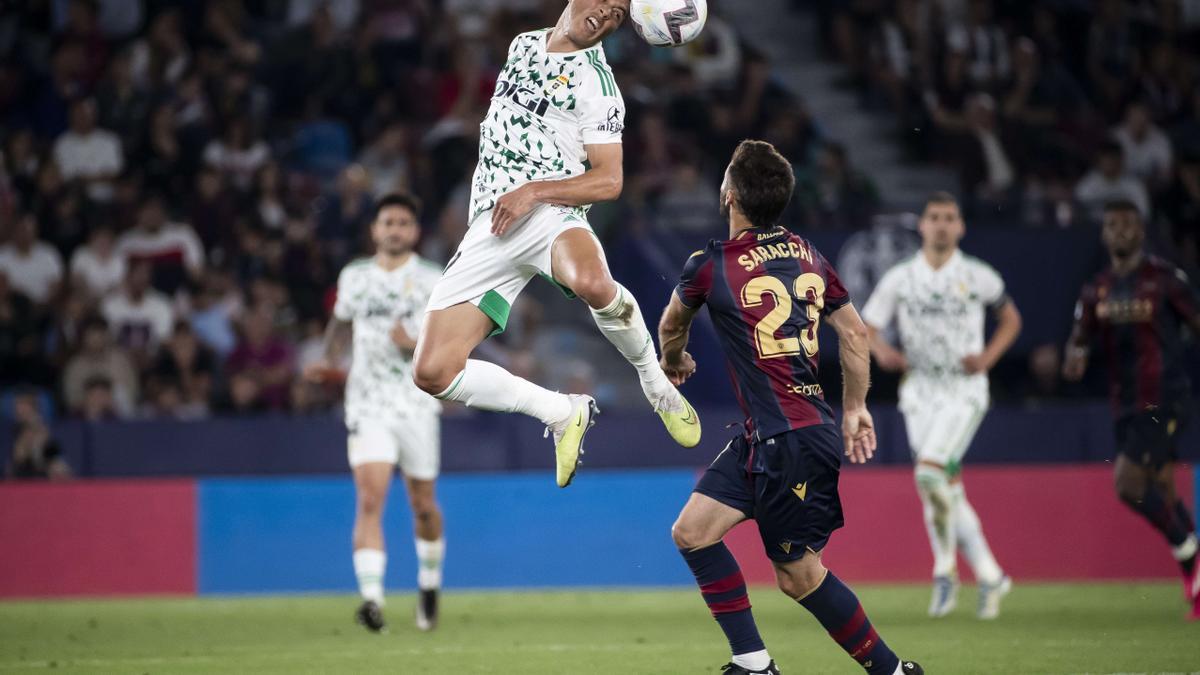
<point>788,484</point>
<point>1150,438</point>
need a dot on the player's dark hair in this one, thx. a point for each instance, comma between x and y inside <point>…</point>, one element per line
<point>397,199</point>
<point>940,197</point>
<point>1122,206</point>
<point>763,180</point>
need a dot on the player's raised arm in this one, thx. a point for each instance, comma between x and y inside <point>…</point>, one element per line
<point>854,352</point>
<point>673,332</point>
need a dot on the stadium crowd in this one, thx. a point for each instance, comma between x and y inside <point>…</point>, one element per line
<point>1046,110</point>
<point>181,182</point>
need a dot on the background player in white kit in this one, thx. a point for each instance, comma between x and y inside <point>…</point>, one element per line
<point>549,146</point>
<point>938,297</point>
<point>381,300</point>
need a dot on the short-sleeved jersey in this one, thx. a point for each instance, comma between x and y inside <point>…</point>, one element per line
<point>1137,321</point>
<point>940,314</point>
<point>766,292</point>
<point>380,385</point>
<point>547,106</point>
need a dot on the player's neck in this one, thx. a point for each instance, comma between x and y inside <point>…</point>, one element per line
<point>737,225</point>
<point>392,262</point>
<point>1123,266</point>
<point>559,41</point>
<point>938,259</point>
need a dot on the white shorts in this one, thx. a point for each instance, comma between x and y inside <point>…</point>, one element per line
<point>490,272</point>
<point>413,443</point>
<point>941,430</point>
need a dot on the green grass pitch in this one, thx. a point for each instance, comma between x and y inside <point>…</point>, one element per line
<point>1060,628</point>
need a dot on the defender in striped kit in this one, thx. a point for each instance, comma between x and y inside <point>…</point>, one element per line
<point>767,290</point>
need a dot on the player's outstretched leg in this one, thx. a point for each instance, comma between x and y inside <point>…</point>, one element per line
<point>371,482</point>
<point>431,550</point>
<point>937,501</point>
<point>841,614</point>
<point>579,264</point>
<point>441,368</point>
<point>993,583</point>
<point>1151,494</point>
<point>702,522</point>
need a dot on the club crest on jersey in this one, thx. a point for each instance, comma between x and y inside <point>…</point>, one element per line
<point>523,97</point>
<point>556,84</point>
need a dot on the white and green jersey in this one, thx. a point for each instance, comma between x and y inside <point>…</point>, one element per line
<point>547,106</point>
<point>940,315</point>
<point>380,386</point>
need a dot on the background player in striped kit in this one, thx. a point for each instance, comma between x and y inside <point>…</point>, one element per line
<point>939,298</point>
<point>1137,310</point>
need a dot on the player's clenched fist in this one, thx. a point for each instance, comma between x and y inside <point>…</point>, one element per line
<point>679,369</point>
<point>512,207</point>
<point>858,434</point>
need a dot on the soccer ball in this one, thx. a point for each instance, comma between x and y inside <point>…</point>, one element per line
<point>668,23</point>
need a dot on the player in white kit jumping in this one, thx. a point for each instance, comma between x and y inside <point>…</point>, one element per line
<point>381,301</point>
<point>549,147</point>
<point>938,298</point>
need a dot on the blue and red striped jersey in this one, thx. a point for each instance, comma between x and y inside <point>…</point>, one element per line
<point>766,292</point>
<point>1138,322</point>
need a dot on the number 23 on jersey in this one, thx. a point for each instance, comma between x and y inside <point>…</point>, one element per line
<point>809,288</point>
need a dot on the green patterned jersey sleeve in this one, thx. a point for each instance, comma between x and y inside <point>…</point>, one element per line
<point>601,108</point>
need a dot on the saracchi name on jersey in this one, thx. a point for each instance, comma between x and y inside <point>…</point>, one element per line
<point>546,107</point>
<point>1137,321</point>
<point>766,292</point>
<point>380,386</point>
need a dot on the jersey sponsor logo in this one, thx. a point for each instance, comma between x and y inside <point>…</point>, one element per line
<point>761,254</point>
<point>613,124</point>
<point>523,97</point>
<point>806,389</point>
<point>801,490</point>
<point>1125,311</point>
<point>556,84</point>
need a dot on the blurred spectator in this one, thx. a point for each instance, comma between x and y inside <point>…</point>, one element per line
<point>347,212</point>
<point>213,213</point>
<point>214,309</point>
<point>268,196</point>
<point>33,267</point>
<point>99,358</point>
<point>35,452</point>
<point>82,27</point>
<point>183,374</point>
<point>1186,133</point>
<point>984,43</point>
<point>99,403</point>
<point>1180,206</point>
<point>162,56</point>
<point>1108,181</point>
<point>123,107</point>
<point>1045,367</point>
<point>139,316</point>
<point>172,250</point>
<point>238,154</point>
<point>386,161</point>
<point>988,169</point>
<point>946,98</point>
<point>1145,147</point>
<point>264,359</point>
<point>162,156</point>
<point>837,195</point>
<point>1112,52</point>
<point>716,57</point>
<point>88,153</point>
<point>97,268</point>
<point>21,330</point>
<point>1039,94</point>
